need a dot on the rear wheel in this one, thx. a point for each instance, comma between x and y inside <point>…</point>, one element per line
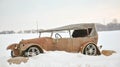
<point>32,51</point>
<point>90,49</point>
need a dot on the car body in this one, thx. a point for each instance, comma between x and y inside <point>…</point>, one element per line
<point>82,38</point>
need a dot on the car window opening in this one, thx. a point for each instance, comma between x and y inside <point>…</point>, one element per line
<point>89,30</point>
<point>81,32</point>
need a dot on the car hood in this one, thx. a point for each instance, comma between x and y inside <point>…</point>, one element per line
<point>36,40</point>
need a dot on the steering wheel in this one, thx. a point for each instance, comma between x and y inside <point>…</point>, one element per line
<point>57,36</point>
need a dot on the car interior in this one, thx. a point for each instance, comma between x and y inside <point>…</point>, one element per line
<point>81,32</point>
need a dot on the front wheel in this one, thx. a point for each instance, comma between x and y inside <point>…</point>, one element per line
<point>32,51</point>
<point>90,49</point>
<point>12,54</point>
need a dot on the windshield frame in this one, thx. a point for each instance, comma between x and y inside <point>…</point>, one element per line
<point>68,32</point>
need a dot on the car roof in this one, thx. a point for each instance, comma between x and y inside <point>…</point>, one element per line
<point>71,27</point>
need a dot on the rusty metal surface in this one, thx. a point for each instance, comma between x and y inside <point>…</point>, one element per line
<point>12,46</point>
<point>62,44</point>
<point>17,60</point>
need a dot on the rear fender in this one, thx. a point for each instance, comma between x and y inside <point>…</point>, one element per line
<point>83,47</point>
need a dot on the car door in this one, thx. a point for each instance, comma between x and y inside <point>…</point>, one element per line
<point>64,44</point>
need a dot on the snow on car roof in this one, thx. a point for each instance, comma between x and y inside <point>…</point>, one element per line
<point>71,27</point>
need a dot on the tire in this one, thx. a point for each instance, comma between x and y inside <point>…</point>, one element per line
<point>32,51</point>
<point>90,49</point>
<point>12,54</point>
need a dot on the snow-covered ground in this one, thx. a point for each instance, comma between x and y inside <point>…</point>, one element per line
<point>109,40</point>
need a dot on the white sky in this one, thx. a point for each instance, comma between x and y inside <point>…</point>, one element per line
<point>24,14</point>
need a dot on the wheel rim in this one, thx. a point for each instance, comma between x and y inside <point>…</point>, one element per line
<point>32,51</point>
<point>90,49</point>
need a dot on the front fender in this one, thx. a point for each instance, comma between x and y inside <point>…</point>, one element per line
<point>24,47</point>
<point>12,46</point>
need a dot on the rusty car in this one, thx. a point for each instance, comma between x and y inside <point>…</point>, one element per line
<point>80,38</point>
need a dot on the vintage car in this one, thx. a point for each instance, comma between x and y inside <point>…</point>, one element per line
<point>79,38</point>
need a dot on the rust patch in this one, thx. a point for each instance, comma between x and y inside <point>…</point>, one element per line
<point>16,52</point>
<point>108,52</point>
<point>17,60</point>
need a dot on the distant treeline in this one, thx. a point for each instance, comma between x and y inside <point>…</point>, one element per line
<point>108,27</point>
<point>114,25</point>
<point>19,32</point>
